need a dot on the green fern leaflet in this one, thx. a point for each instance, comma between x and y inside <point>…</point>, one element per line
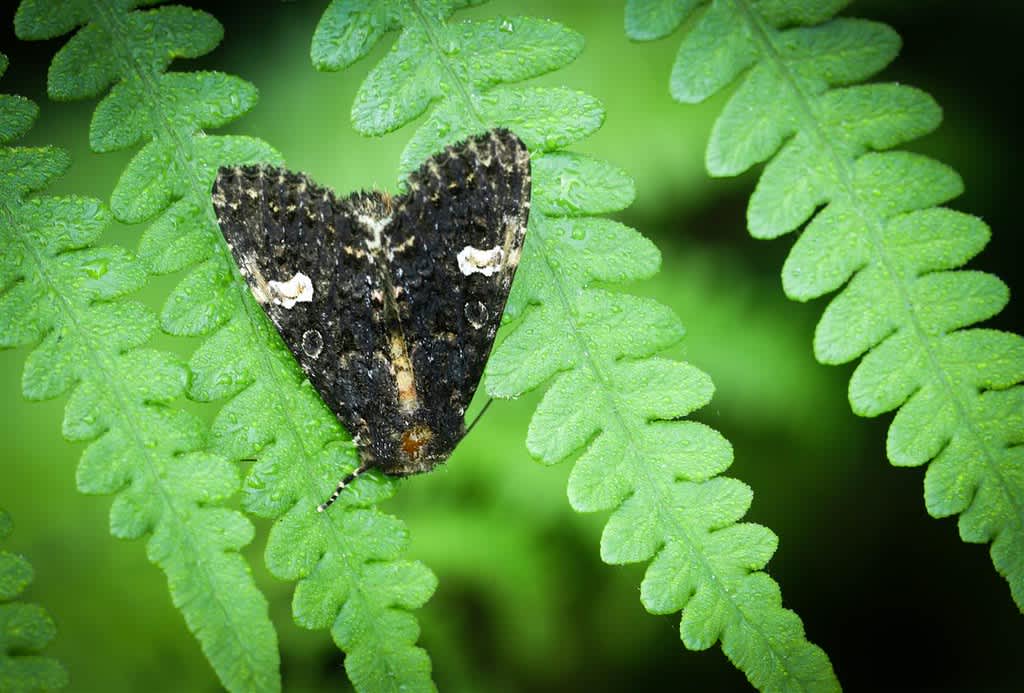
<point>569,329</point>
<point>346,563</point>
<point>882,239</point>
<point>25,629</point>
<point>63,294</point>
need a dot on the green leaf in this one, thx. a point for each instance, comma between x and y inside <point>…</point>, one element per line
<point>652,471</point>
<point>347,565</point>
<point>16,116</point>
<point>26,169</point>
<point>91,60</point>
<point>335,556</point>
<point>590,343</point>
<point>647,20</point>
<point>539,116</point>
<point>200,303</point>
<point>481,54</point>
<point>45,19</point>
<point>145,453</point>
<point>63,290</point>
<point>711,55</point>
<point>877,235</point>
<point>176,240</point>
<point>25,629</point>
<point>145,188</point>
<point>189,100</point>
<point>584,185</point>
<point>348,30</point>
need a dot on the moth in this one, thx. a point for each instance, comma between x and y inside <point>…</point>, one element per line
<point>390,304</point>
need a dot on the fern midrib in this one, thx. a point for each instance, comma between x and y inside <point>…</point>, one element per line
<point>445,63</point>
<point>259,339</point>
<point>655,488</point>
<point>875,225</point>
<point>110,380</point>
<point>115,28</point>
<point>100,365</point>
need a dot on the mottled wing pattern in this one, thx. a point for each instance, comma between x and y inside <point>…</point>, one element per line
<point>390,305</point>
<point>455,240</point>
<point>303,254</point>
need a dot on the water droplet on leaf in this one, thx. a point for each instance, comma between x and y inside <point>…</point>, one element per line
<point>96,268</point>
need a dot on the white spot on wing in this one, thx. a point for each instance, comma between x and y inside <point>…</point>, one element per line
<point>486,262</point>
<point>298,289</point>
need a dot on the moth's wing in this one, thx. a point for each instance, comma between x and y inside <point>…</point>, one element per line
<point>456,239</point>
<point>283,228</point>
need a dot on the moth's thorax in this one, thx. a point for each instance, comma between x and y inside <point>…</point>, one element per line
<point>375,203</point>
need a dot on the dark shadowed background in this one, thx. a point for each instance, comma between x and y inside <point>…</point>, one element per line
<point>524,603</point>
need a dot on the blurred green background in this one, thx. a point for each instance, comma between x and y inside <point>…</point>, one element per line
<point>524,603</point>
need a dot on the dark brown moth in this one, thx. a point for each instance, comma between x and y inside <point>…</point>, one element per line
<point>390,304</point>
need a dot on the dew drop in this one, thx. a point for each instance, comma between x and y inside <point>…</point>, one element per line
<point>91,209</point>
<point>96,268</point>
<point>579,233</point>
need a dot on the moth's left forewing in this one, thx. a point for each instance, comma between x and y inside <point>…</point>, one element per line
<point>457,238</point>
<point>474,198</point>
<point>502,162</point>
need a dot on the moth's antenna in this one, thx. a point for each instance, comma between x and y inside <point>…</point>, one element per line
<point>489,400</point>
<point>341,487</point>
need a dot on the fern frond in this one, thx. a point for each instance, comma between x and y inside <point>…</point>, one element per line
<point>346,562</point>
<point>656,473</point>
<point>349,29</point>
<point>882,238</point>
<point>25,629</point>
<point>59,290</point>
